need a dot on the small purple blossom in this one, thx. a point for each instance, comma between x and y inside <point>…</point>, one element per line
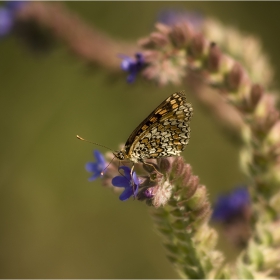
<point>7,16</point>
<point>14,6</point>
<point>231,205</point>
<point>173,16</point>
<point>132,66</point>
<point>96,167</point>
<point>129,182</point>
<point>6,21</point>
<point>149,193</point>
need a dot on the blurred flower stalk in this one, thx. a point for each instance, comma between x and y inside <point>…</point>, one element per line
<point>233,77</point>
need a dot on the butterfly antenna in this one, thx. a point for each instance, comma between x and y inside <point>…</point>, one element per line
<point>80,138</point>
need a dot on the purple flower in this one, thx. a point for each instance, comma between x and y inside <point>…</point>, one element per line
<point>231,205</point>
<point>96,167</point>
<point>132,66</point>
<point>171,17</point>
<point>7,16</point>
<point>129,182</point>
<point>6,21</point>
<point>14,6</point>
<point>149,193</point>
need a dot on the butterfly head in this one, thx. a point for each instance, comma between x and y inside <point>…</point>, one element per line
<point>121,155</point>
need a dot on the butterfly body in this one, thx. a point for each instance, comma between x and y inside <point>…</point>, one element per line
<point>164,133</point>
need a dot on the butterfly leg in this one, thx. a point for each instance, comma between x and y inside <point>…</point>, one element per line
<point>153,166</point>
<point>131,173</point>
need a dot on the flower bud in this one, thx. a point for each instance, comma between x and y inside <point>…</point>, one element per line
<point>275,229</point>
<point>246,161</point>
<point>198,199</point>
<point>159,39</point>
<point>179,167</point>
<point>198,46</point>
<point>214,57</point>
<point>150,55</point>
<point>149,192</point>
<point>202,215</point>
<point>273,137</point>
<point>255,254</point>
<point>162,28</point>
<point>273,176</point>
<point>164,165</point>
<point>256,94</point>
<point>180,35</point>
<point>146,43</point>
<point>208,236</point>
<point>235,76</point>
<point>265,113</point>
<point>189,186</point>
<point>271,259</point>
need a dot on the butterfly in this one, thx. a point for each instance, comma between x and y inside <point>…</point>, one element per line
<point>164,133</point>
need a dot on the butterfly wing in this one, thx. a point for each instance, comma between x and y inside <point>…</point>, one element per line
<point>165,132</point>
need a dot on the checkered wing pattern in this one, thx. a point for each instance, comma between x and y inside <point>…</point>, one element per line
<point>164,133</point>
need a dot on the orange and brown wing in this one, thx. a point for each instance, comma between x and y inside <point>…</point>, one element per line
<point>165,132</point>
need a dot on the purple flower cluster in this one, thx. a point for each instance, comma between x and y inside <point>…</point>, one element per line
<point>172,17</point>
<point>129,181</point>
<point>132,65</point>
<point>96,167</point>
<point>231,205</point>
<point>7,16</point>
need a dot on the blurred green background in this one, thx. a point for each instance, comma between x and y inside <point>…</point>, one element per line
<point>56,224</point>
